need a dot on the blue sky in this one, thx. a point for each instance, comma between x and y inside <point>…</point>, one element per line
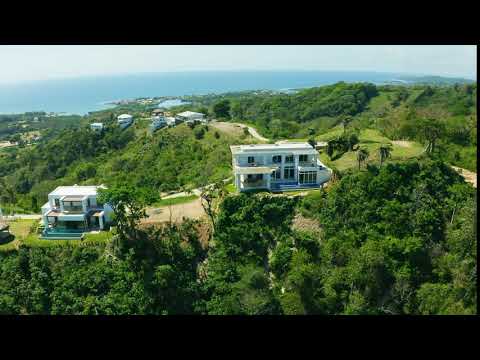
<point>40,62</point>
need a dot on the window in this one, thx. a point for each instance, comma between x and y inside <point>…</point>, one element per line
<point>276,174</point>
<point>277,159</point>
<point>303,158</point>
<point>289,159</point>
<point>289,172</point>
<point>308,177</point>
<point>251,160</point>
<point>88,202</point>
<point>57,203</point>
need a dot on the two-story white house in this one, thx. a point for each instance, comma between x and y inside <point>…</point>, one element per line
<point>191,117</point>
<point>75,209</point>
<point>277,167</point>
<point>97,127</point>
<point>124,120</point>
<point>158,122</point>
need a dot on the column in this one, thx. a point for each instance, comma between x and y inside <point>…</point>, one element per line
<point>295,157</point>
<point>237,181</point>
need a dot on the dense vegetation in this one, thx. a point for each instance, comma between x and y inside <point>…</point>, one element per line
<point>395,240</point>
<point>398,112</point>
<point>170,159</point>
<point>397,237</point>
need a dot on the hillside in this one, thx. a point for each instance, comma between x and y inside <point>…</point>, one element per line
<point>369,250</point>
<point>170,159</point>
<point>397,112</point>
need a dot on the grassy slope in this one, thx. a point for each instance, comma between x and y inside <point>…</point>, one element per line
<point>371,140</point>
<point>175,201</point>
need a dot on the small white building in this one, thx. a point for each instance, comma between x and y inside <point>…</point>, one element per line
<point>171,121</point>
<point>98,127</point>
<point>74,210</point>
<point>124,120</point>
<point>157,123</point>
<point>190,116</point>
<point>277,167</point>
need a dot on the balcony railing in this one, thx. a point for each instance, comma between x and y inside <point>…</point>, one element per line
<point>254,184</point>
<point>73,209</point>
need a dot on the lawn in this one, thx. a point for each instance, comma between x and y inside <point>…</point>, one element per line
<point>231,188</point>
<point>371,140</point>
<point>176,200</point>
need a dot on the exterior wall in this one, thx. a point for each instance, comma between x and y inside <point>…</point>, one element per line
<point>86,207</point>
<point>308,164</point>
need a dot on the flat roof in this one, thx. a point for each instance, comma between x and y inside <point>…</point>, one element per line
<point>75,190</point>
<point>73,198</point>
<point>124,116</point>
<point>286,147</point>
<point>189,113</point>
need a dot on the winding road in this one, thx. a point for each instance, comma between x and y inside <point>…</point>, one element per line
<point>253,132</point>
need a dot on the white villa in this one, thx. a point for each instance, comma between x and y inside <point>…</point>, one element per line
<point>190,116</point>
<point>171,121</point>
<point>96,126</point>
<point>158,122</point>
<point>72,210</point>
<point>124,120</point>
<point>277,167</point>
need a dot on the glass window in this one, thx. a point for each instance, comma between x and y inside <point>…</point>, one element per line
<point>289,172</point>
<point>289,159</point>
<point>308,177</point>
<point>57,203</point>
<point>251,160</point>
<point>303,158</point>
<point>277,159</point>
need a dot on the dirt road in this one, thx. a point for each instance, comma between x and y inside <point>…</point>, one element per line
<point>469,176</point>
<point>191,210</point>
<point>253,132</point>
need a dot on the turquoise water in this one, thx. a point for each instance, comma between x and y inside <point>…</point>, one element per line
<point>81,95</point>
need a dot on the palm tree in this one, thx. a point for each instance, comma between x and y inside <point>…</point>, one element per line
<point>331,148</point>
<point>362,156</point>
<point>346,120</point>
<point>384,152</point>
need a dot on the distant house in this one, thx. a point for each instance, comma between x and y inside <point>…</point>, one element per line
<point>157,123</point>
<point>277,167</point>
<point>73,210</point>
<point>96,126</point>
<point>171,121</point>
<point>158,112</point>
<point>191,117</point>
<point>321,145</point>
<point>124,120</point>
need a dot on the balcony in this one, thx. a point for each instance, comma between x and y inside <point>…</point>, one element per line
<point>254,184</point>
<point>73,209</point>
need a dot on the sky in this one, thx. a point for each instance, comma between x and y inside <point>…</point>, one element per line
<point>41,62</point>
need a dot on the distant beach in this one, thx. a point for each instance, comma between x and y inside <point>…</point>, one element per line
<point>83,95</point>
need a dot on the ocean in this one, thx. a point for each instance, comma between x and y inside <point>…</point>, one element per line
<point>81,95</point>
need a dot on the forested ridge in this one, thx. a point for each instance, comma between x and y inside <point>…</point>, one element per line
<point>395,240</point>
<point>395,237</point>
